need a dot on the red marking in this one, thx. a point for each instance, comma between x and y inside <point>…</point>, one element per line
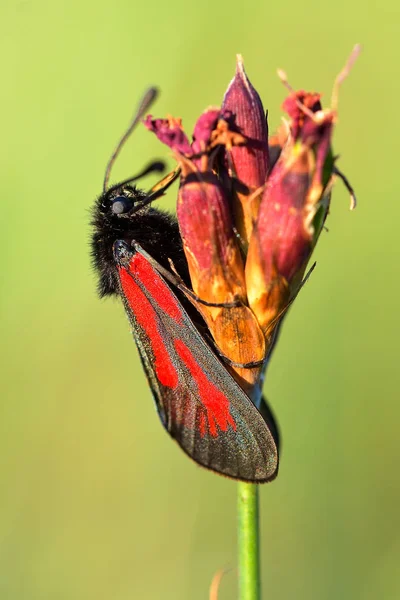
<point>146,317</point>
<point>214,401</point>
<point>156,287</point>
<point>202,424</point>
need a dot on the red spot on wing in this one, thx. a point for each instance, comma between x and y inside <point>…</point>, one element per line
<point>213,400</point>
<point>156,287</point>
<point>202,424</point>
<point>147,319</point>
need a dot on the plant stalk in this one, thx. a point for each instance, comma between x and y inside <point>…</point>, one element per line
<point>248,542</point>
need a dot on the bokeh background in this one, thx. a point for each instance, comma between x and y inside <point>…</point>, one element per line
<point>96,501</point>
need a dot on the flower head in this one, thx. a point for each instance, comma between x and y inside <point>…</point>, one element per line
<point>211,246</point>
<point>250,211</point>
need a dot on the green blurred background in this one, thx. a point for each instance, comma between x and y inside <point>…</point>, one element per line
<point>96,501</point>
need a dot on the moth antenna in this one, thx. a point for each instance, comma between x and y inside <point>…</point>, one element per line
<point>342,76</point>
<point>145,103</point>
<point>157,166</point>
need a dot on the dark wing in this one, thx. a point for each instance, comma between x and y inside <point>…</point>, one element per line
<point>198,401</point>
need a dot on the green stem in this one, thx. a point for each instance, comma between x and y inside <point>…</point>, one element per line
<point>248,542</point>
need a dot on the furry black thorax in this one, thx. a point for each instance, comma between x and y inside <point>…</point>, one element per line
<point>155,230</point>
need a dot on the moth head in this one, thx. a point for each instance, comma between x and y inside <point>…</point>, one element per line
<point>122,201</point>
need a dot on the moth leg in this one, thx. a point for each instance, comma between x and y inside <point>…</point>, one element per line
<point>159,188</point>
<point>178,283</point>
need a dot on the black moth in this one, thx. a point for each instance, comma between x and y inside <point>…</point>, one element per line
<point>138,255</point>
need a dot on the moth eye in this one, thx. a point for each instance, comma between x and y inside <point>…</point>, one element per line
<point>121,205</point>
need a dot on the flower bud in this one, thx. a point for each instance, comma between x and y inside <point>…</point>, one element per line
<point>292,211</point>
<point>248,164</point>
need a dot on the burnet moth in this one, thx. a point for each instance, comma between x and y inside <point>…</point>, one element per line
<point>138,255</point>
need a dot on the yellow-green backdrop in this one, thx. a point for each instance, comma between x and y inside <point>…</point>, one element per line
<point>96,501</point>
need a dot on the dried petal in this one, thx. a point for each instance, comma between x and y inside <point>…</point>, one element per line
<point>169,131</point>
<point>294,104</point>
<point>203,129</point>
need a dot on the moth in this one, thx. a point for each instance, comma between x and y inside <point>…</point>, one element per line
<point>138,255</point>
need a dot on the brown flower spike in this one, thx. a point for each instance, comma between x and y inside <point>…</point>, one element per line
<point>250,212</point>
